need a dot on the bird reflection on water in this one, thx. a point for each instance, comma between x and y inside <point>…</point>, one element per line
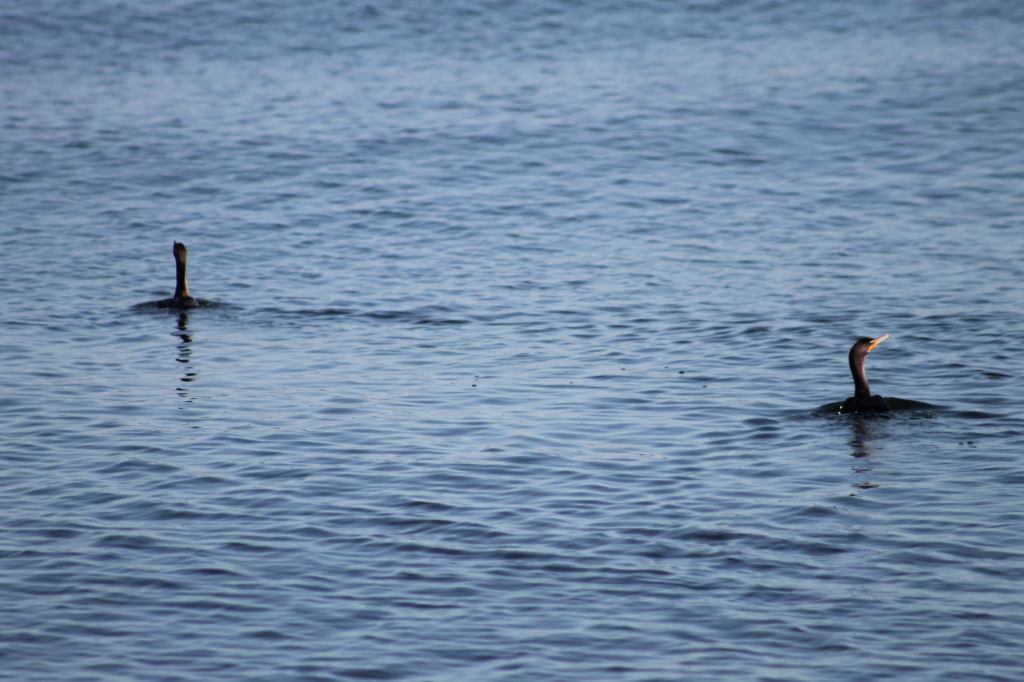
<point>861,449</point>
<point>185,356</point>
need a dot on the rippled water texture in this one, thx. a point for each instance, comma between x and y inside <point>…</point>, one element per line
<point>522,315</point>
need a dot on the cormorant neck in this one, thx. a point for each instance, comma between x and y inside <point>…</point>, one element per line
<point>861,389</point>
<point>181,268</point>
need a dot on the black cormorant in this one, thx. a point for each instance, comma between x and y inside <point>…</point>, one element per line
<point>181,299</point>
<point>862,401</point>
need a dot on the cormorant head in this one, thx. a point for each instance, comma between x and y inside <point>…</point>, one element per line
<point>865,345</point>
<point>180,252</point>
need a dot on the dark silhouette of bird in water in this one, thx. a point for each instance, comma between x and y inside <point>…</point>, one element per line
<point>182,299</point>
<point>862,400</point>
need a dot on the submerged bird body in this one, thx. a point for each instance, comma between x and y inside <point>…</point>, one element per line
<point>182,299</point>
<point>872,404</point>
<point>862,400</point>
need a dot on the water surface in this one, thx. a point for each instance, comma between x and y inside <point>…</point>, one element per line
<point>523,315</point>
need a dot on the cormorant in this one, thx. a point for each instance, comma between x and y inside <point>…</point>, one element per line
<point>862,401</point>
<point>181,299</point>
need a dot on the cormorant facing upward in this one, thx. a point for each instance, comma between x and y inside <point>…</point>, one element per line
<point>862,400</point>
<point>182,299</point>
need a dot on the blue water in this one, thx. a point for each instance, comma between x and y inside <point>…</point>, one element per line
<point>523,313</point>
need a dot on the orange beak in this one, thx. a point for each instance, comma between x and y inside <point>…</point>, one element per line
<point>881,339</point>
